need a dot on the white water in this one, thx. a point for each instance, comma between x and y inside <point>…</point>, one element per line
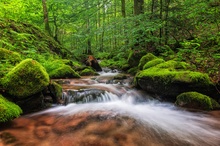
<point>162,117</point>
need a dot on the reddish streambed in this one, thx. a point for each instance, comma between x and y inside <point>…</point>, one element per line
<point>118,121</point>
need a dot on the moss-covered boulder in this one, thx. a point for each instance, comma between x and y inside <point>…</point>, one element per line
<point>8,110</point>
<point>64,71</point>
<point>153,62</point>
<point>25,79</point>
<point>88,72</point>
<point>196,100</point>
<point>171,78</point>
<point>146,58</point>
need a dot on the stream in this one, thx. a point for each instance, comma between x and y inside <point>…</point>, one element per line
<point>106,111</point>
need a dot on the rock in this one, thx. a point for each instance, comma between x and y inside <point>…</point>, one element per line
<point>169,79</point>
<point>196,100</point>
<point>62,72</point>
<point>146,58</point>
<point>26,79</point>
<point>8,110</point>
<point>88,72</point>
<point>33,103</point>
<point>135,56</point>
<point>153,63</point>
<point>91,61</point>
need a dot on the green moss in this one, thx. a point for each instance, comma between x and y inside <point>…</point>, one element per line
<point>9,56</point>
<point>63,71</point>
<point>8,110</point>
<point>56,89</point>
<point>174,65</point>
<point>88,72</point>
<point>153,63</point>
<point>26,79</point>
<point>145,59</point>
<point>165,76</point>
<point>196,100</point>
<point>7,60</point>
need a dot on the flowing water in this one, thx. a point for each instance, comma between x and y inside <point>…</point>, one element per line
<point>105,112</point>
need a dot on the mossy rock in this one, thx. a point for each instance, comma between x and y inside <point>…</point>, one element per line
<point>64,71</point>
<point>120,77</point>
<point>135,56</point>
<point>8,110</point>
<point>168,82</point>
<point>88,72</point>
<point>196,100</point>
<point>153,62</point>
<point>175,65</point>
<point>146,58</point>
<point>9,56</point>
<point>55,91</point>
<point>25,79</point>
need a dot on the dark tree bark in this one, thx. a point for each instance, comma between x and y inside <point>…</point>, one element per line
<point>138,7</point>
<point>46,18</point>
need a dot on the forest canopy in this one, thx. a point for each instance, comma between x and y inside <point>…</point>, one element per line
<point>185,29</point>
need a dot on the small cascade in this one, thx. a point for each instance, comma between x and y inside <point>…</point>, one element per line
<point>87,95</point>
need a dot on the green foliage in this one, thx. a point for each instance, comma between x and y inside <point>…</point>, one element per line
<point>8,110</point>
<point>145,59</point>
<point>9,56</point>
<point>25,79</point>
<point>28,40</point>
<point>197,101</point>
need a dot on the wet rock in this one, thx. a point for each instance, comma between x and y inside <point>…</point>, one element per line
<point>92,61</point>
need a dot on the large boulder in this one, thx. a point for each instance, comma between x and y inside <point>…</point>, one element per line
<point>196,100</point>
<point>8,110</point>
<point>169,79</point>
<point>25,79</point>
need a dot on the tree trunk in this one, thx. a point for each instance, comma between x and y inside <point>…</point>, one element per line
<point>123,12</point>
<point>138,7</point>
<point>166,21</point>
<point>161,18</point>
<point>46,18</point>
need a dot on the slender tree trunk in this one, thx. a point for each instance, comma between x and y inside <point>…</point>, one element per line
<point>123,12</point>
<point>138,7</point>
<point>46,18</point>
<point>161,18</point>
<point>103,27</point>
<point>166,21</point>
